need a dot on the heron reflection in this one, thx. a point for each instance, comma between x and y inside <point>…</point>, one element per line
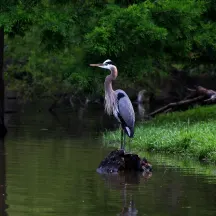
<point>127,183</point>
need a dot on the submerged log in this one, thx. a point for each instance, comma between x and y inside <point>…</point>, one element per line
<point>120,161</point>
<point>199,95</point>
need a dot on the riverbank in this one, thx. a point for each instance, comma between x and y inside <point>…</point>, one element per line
<point>190,134</point>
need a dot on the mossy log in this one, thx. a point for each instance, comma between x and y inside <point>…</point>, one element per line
<point>120,161</point>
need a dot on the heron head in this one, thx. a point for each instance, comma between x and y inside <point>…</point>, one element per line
<point>108,64</point>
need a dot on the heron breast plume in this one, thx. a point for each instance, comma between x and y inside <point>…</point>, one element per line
<point>110,103</point>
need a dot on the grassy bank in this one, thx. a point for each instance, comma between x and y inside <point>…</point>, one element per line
<point>190,133</point>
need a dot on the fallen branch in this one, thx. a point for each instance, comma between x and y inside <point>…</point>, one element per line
<point>171,105</point>
<point>199,95</point>
<point>211,100</point>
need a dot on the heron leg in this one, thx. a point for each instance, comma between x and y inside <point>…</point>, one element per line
<point>121,138</point>
<point>129,146</point>
<point>124,136</point>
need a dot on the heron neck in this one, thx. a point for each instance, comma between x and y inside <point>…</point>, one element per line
<point>108,81</point>
<point>110,98</point>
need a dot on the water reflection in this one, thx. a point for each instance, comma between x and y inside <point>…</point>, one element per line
<point>52,172</point>
<point>127,184</point>
<point>2,178</point>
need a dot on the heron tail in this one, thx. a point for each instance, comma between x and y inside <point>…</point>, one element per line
<point>129,131</point>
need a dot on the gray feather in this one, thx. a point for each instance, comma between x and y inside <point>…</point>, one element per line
<point>125,109</point>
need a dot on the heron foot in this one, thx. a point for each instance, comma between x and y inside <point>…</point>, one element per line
<point>122,149</point>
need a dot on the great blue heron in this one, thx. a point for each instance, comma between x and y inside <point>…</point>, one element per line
<point>117,102</point>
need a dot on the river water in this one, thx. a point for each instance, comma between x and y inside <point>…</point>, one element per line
<point>50,169</point>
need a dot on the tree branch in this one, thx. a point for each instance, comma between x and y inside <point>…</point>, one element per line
<point>199,95</point>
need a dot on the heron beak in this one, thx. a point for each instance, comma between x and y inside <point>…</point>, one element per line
<point>96,65</point>
<point>101,65</point>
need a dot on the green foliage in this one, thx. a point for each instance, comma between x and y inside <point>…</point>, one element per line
<point>189,133</point>
<point>57,26</point>
<point>17,20</point>
<point>127,33</point>
<point>122,29</point>
<point>55,23</point>
<point>181,19</point>
<point>45,73</point>
<point>142,34</point>
<point>144,38</point>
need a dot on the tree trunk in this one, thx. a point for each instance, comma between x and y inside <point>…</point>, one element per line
<point>2,92</point>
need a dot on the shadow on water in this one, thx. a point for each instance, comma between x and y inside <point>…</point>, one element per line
<point>126,183</point>
<point>2,178</point>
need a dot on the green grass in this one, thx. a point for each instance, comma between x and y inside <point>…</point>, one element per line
<point>191,133</point>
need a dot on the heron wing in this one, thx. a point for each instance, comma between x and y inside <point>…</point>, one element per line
<point>125,110</point>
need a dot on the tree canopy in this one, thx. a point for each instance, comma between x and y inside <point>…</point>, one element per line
<point>56,40</point>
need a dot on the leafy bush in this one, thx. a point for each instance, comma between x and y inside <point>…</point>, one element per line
<point>144,38</point>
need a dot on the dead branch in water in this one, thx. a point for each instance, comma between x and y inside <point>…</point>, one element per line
<point>199,95</point>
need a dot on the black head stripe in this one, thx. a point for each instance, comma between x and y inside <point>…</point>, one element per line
<point>110,62</point>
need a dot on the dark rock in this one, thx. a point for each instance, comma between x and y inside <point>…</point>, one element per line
<point>119,160</point>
